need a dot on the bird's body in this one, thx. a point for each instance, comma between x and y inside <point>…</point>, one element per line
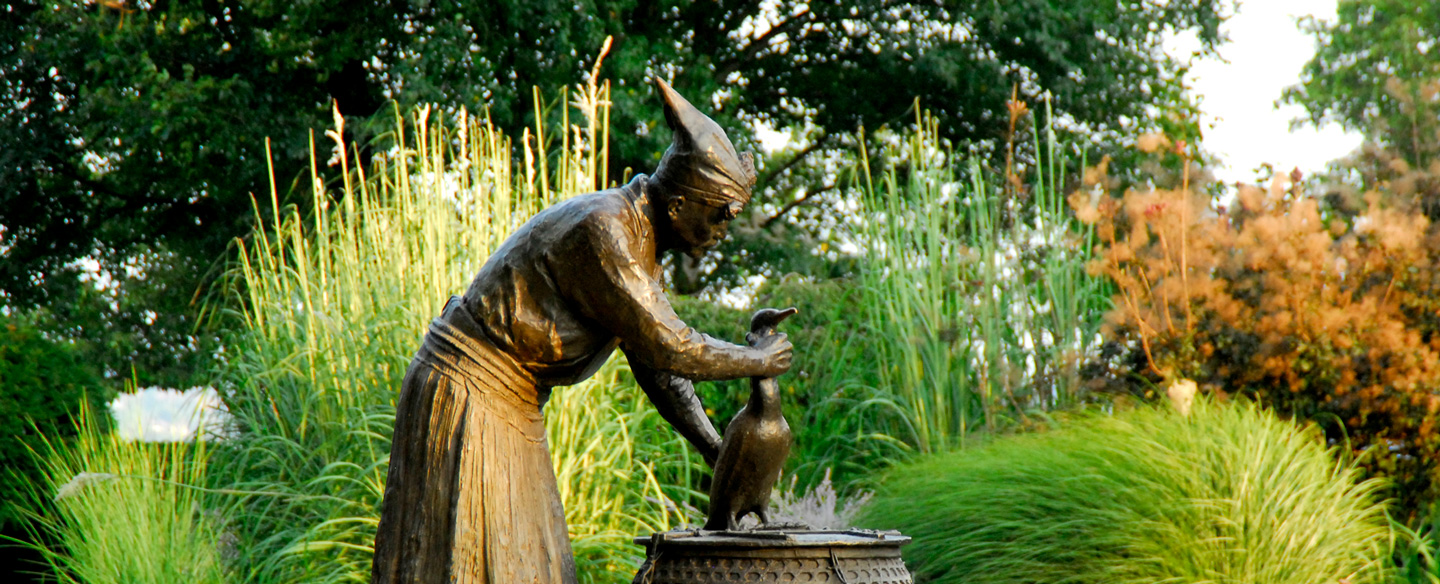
<point>755,445</point>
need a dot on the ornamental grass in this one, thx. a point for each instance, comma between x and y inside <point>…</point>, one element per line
<point>1229,493</point>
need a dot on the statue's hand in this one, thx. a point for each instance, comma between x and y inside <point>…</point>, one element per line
<point>776,354</point>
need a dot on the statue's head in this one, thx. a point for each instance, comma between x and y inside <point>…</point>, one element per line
<point>705,183</point>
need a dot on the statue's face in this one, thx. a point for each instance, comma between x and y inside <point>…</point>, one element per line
<point>701,225</point>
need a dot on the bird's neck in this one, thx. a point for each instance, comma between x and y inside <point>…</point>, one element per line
<point>764,397</point>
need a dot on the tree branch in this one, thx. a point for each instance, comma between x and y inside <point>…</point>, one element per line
<point>69,169</point>
<point>819,143</point>
<point>759,43</point>
<point>796,203</point>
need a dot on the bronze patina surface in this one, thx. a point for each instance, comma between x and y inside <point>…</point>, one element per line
<point>471,496</point>
<point>756,443</point>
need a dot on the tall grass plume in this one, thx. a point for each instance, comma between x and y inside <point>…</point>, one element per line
<point>335,305</point>
<point>115,511</point>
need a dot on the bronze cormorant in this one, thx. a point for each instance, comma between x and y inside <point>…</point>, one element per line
<point>756,442</point>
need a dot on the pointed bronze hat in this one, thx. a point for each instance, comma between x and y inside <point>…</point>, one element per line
<point>701,163</point>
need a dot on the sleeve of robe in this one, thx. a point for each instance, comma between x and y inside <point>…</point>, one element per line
<point>596,270</point>
<point>675,399</point>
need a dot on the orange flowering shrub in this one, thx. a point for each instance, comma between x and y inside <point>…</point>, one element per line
<point>1317,313</point>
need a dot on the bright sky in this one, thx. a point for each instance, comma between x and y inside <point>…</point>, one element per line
<point>1266,53</point>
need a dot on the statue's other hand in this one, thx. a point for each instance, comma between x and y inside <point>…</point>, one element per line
<point>776,354</point>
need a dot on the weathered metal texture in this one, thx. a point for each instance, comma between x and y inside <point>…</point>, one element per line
<point>755,446</point>
<point>471,496</point>
<point>701,163</point>
<point>839,557</point>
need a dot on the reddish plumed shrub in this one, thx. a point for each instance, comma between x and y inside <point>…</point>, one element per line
<point>1317,313</point>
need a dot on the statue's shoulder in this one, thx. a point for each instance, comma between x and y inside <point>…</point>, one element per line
<point>610,211</point>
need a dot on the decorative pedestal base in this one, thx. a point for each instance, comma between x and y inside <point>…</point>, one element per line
<point>839,557</point>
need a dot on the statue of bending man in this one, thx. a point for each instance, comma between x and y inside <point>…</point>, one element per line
<point>471,494</point>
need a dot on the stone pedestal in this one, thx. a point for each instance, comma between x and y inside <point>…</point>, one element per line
<point>840,557</point>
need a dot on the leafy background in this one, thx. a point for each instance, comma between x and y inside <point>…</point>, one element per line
<point>178,175</point>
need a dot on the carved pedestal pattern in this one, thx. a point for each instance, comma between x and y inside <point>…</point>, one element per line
<point>837,557</point>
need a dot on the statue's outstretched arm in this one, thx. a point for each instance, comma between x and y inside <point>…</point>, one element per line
<point>674,397</point>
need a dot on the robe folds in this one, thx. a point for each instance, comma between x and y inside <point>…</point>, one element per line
<point>471,494</point>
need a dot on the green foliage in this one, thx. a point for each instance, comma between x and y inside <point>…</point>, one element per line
<point>1229,493</point>
<point>826,73</point>
<point>110,511</point>
<point>982,313</point>
<point>967,314</point>
<point>1415,549</point>
<point>133,132</point>
<point>1376,69</point>
<point>141,127</point>
<point>144,326</point>
<point>134,126</point>
<point>43,385</point>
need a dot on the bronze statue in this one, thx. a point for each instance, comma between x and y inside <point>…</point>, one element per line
<point>756,444</point>
<point>471,494</point>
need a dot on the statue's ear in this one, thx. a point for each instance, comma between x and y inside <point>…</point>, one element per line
<point>672,206</point>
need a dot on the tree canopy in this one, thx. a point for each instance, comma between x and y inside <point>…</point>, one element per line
<point>42,386</point>
<point>1377,70</point>
<point>131,126</point>
<point>137,129</point>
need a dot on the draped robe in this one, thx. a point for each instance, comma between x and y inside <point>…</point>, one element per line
<point>471,495</point>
